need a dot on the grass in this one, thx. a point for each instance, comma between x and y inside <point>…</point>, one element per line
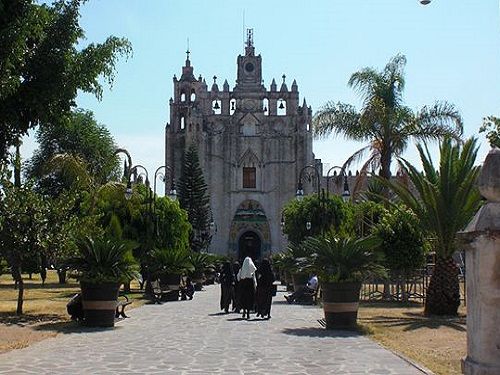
<point>44,309</point>
<point>438,343</point>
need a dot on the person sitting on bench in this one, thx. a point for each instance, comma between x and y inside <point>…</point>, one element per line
<point>310,288</point>
<point>187,289</point>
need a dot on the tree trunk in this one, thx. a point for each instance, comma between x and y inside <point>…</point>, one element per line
<point>61,274</point>
<point>126,287</point>
<point>16,273</point>
<point>443,294</point>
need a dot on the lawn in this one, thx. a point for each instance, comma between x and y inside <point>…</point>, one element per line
<point>44,309</point>
<point>438,343</point>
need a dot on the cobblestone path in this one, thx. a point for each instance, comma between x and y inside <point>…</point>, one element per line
<point>192,337</point>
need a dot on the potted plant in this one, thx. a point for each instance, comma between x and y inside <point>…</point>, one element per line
<point>168,265</point>
<point>101,266</point>
<point>296,258</point>
<point>200,263</point>
<point>341,265</point>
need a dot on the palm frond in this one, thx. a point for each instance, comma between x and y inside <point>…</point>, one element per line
<point>337,118</point>
<point>437,121</point>
<point>71,167</point>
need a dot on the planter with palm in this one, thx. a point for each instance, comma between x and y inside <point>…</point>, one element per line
<point>101,266</point>
<point>341,265</point>
<point>201,264</point>
<point>168,265</point>
<point>444,201</point>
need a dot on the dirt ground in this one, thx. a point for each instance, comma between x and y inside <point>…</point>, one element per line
<point>437,343</point>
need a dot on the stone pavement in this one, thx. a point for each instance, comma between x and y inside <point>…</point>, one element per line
<point>193,337</point>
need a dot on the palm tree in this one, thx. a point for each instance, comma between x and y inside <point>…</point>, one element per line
<point>444,202</point>
<point>384,121</point>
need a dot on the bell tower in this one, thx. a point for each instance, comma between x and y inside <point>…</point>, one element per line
<point>249,68</point>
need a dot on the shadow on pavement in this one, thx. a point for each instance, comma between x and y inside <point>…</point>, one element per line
<point>319,332</point>
<point>72,327</point>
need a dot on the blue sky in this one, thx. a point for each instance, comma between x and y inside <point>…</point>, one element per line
<point>452,48</point>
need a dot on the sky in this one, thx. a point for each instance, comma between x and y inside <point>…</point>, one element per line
<point>452,48</point>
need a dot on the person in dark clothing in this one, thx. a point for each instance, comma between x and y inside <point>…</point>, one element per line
<point>187,290</point>
<point>226,280</point>
<point>236,289</point>
<point>264,291</point>
<point>247,283</point>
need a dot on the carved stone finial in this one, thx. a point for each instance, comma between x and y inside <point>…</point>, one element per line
<point>489,178</point>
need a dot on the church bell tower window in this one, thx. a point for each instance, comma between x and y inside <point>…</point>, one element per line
<point>249,178</point>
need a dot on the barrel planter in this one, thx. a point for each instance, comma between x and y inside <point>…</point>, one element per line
<point>99,303</point>
<point>171,282</point>
<point>340,304</point>
<point>299,280</point>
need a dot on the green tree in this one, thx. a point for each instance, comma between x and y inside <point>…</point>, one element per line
<point>193,197</point>
<point>444,201</point>
<point>43,65</point>
<point>491,126</point>
<point>78,135</point>
<point>402,244</point>
<point>325,214</point>
<point>22,217</point>
<point>384,121</point>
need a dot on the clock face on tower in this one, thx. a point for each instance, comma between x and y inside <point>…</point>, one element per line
<point>249,67</point>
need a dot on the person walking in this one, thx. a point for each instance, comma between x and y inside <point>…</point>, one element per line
<point>226,280</point>
<point>264,291</point>
<point>247,283</point>
<point>236,288</point>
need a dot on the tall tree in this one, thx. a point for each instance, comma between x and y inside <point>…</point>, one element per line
<point>78,135</point>
<point>42,65</point>
<point>491,125</point>
<point>193,197</point>
<point>22,218</point>
<point>444,201</point>
<point>384,121</point>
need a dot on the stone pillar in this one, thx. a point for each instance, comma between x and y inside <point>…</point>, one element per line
<point>482,244</point>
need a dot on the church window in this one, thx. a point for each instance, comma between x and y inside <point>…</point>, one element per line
<point>249,178</point>
<point>183,97</point>
<point>232,106</point>
<point>281,110</point>
<point>308,127</point>
<point>193,95</point>
<point>265,106</point>
<point>183,123</point>
<point>217,106</point>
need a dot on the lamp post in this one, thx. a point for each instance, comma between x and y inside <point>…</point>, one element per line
<point>346,194</point>
<point>127,171</point>
<point>309,175</point>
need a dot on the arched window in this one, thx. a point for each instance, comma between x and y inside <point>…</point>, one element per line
<point>217,106</point>
<point>183,123</point>
<point>281,107</point>
<point>183,97</point>
<point>308,127</point>
<point>232,106</point>
<point>193,95</point>
<point>265,106</point>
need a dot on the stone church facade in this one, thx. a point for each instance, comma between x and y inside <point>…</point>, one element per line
<point>252,144</point>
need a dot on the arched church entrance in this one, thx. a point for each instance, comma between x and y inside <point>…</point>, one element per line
<point>249,234</point>
<point>249,245</point>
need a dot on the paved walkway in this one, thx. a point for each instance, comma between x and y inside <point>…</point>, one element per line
<point>192,337</point>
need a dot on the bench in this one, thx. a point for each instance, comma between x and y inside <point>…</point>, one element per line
<point>309,297</point>
<point>120,307</point>
<point>162,293</point>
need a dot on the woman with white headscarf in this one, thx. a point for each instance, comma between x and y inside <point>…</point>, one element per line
<point>247,283</point>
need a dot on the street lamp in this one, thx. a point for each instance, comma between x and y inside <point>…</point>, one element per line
<point>346,194</point>
<point>310,172</point>
<point>127,171</point>
<point>172,194</point>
